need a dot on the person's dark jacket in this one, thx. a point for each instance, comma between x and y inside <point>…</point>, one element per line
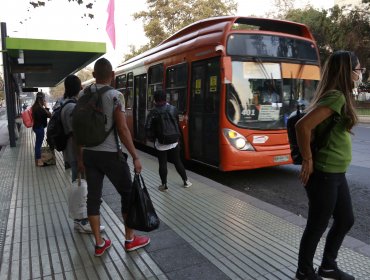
<point>40,117</point>
<point>152,126</point>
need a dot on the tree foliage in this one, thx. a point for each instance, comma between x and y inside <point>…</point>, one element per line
<point>58,91</point>
<point>134,51</point>
<point>319,23</point>
<point>85,74</point>
<point>165,17</point>
<point>86,14</point>
<point>337,28</point>
<point>280,8</point>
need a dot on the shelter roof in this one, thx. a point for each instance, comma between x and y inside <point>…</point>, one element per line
<point>45,63</point>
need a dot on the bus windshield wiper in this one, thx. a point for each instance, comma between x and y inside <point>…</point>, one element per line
<point>262,67</point>
<point>299,76</point>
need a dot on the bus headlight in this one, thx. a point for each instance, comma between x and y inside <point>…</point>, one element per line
<point>237,140</point>
<point>240,143</point>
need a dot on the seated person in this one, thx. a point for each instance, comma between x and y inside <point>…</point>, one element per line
<point>256,98</point>
<point>270,95</point>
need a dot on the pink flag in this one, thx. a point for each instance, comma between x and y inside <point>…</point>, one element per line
<point>111,30</point>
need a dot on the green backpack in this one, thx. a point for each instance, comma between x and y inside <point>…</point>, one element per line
<point>89,119</point>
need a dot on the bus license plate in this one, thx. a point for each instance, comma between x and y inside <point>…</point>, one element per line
<point>281,158</point>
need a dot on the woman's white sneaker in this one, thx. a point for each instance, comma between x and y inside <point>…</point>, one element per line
<point>187,184</point>
<point>83,226</point>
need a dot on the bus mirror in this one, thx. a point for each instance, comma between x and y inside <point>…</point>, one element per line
<point>220,48</point>
<point>226,66</point>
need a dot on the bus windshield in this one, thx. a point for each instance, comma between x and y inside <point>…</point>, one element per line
<point>263,95</point>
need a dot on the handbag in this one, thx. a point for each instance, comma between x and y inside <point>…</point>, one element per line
<point>141,214</point>
<point>27,117</point>
<point>76,199</point>
<point>48,156</point>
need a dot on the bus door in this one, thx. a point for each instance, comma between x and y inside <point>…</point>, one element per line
<point>204,111</point>
<point>139,107</point>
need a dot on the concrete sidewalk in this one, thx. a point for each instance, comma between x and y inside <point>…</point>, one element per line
<point>208,231</point>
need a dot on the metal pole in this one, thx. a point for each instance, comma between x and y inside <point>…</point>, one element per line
<point>10,106</point>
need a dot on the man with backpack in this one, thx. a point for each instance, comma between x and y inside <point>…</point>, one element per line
<point>72,86</point>
<point>56,107</point>
<point>98,105</point>
<point>162,128</point>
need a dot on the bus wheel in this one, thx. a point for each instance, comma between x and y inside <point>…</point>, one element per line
<point>234,107</point>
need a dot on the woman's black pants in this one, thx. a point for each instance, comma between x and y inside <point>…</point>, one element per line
<point>328,196</point>
<point>174,154</point>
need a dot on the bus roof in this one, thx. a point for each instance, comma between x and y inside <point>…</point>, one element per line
<point>263,24</point>
<point>223,24</point>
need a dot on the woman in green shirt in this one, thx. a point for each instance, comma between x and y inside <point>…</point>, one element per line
<point>323,171</point>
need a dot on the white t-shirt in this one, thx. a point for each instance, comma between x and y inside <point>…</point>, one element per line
<point>164,147</point>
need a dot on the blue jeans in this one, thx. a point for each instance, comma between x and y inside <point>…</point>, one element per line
<point>40,133</point>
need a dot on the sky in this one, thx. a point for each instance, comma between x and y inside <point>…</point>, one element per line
<point>61,20</point>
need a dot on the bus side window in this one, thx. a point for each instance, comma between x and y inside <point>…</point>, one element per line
<point>176,86</point>
<point>121,81</point>
<point>212,96</point>
<point>155,82</point>
<point>129,89</point>
<point>120,85</point>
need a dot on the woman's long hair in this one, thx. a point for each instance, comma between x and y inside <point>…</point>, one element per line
<point>38,102</point>
<point>337,75</point>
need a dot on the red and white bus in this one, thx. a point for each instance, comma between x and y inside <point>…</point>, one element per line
<point>234,80</point>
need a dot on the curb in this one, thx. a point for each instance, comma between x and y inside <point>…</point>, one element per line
<point>364,119</point>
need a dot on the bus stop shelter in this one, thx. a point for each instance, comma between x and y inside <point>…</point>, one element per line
<point>33,63</point>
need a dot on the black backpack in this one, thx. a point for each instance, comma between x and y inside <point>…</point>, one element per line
<point>56,137</point>
<point>318,141</point>
<point>167,128</point>
<point>89,119</point>
<point>294,148</point>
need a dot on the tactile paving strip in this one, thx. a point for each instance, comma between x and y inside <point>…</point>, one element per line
<point>7,170</point>
<point>40,240</point>
<point>243,241</point>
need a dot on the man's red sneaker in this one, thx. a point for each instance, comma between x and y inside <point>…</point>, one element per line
<point>99,250</point>
<point>138,242</point>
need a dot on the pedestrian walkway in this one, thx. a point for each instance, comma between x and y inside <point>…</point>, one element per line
<point>40,241</point>
<point>242,237</point>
